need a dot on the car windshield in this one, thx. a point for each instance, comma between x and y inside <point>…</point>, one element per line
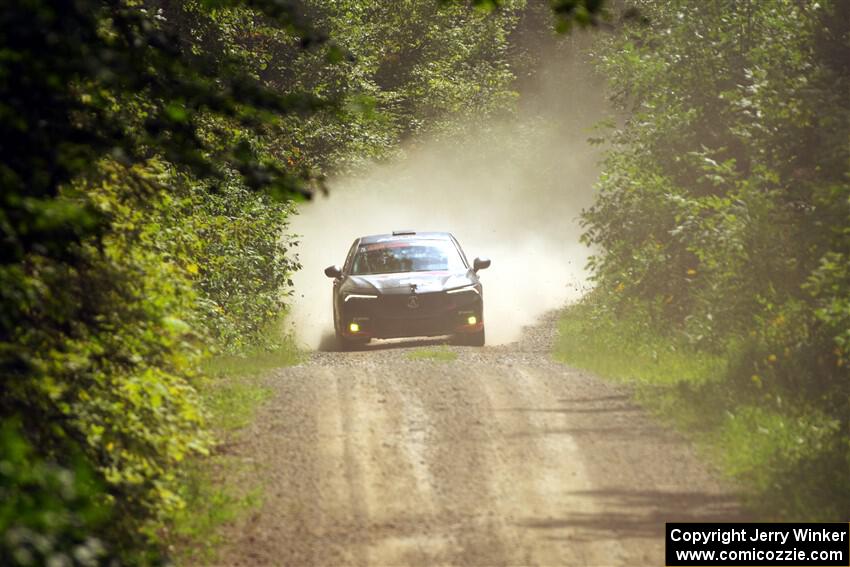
<point>407,256</point>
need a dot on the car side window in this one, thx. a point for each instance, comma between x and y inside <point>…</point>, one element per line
<point>460,251</point>
<point>349,260</point>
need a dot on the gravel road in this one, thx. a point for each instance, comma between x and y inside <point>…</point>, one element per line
<point>501,457</point>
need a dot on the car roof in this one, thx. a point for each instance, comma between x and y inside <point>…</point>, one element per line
<point>405,235</point>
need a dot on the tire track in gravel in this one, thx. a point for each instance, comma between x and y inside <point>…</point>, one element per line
<point>501,457</point>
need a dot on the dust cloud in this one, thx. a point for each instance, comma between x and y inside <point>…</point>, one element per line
<point>512,193</point>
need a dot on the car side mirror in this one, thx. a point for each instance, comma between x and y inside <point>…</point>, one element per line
<point>481,264</point>
<point>333,272</point>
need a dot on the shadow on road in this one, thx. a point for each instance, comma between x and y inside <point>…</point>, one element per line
<point>616,434</point>
<point>637,514</point>
<point>329,343</point>
<point>623,408</point>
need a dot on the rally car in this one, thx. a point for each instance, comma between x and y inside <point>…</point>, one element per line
<point>407,284</point>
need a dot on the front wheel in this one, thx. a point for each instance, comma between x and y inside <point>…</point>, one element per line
<point>347,345</point>
<point>471,339</point>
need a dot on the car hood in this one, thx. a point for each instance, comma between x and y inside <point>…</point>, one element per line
<point>425,282</point>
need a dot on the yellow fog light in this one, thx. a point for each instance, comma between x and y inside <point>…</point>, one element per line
<point>354,328</point>
<point>471,320</point>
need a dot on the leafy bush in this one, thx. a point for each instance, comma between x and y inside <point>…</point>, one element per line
<point>49,514</point>
<point>232,246</point>
<point>106,356</point>
<point>724,200</point>
<point>723,207</point>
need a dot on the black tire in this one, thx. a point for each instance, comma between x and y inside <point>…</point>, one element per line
<point>348,345</point>
<point>471,339</point>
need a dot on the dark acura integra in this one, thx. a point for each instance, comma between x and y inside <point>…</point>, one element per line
<point>407,284</point>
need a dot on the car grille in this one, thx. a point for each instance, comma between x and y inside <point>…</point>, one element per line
<point>429,304</point>
<point>427,326</point>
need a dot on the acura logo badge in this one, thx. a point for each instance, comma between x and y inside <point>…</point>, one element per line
<point>413,303</point>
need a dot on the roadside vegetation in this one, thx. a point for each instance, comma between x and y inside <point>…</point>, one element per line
<point>433,354</point>
<point>721,239</point>
<point>220,489</point>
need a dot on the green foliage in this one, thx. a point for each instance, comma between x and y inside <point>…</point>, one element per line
<point>48,513</point>
<point>568,13</point>
<point>231,244</point>
<point>404,68</point>
<point>629,349</point>
<point>233,388</point>
<point>213,499</point>
<point>108,115</point>
<point>433,354</point>
<point>581,12</point>
<point>272,354</point>
<point>106,357</point>
<point>221,490</point>
<point>723,208</point>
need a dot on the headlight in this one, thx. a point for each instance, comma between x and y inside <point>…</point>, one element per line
<point>358,296</point>
<point>464,289</point>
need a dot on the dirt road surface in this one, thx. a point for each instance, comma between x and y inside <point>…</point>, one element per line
<point>501,457</point>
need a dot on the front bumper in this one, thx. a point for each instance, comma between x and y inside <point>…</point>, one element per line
<point>397,316</point>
